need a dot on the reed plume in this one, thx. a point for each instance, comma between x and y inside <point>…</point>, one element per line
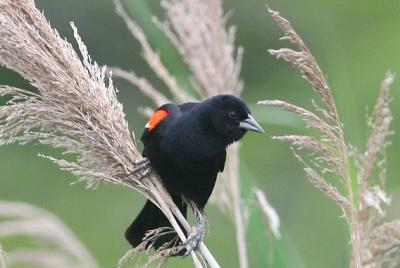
<point>3,258</point>
<point>59,247</point>
<point>74,108</point>
<point>374,242</point>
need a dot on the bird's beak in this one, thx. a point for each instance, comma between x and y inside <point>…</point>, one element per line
<point>251,124</point>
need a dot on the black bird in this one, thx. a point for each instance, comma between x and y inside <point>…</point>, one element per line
<point>186,145</point>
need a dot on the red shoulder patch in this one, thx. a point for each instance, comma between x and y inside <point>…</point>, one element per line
<point>156,119</point>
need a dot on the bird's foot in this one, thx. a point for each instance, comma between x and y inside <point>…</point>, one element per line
<point>198,231</point>
<point>194,239</point>
<point>141,169</point>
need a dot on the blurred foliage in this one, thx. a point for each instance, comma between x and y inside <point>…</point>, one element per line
<point>355,43</point>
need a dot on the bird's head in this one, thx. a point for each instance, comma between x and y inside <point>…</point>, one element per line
<point>231,117</point>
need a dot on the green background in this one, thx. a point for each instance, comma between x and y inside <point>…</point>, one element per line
<point>355,42</point>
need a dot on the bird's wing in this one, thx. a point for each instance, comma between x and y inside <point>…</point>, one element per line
<point>187,107</point>
<point>173,111</point>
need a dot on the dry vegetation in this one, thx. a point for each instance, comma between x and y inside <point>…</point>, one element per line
<point>55,245</point>
<point>375,243</point>
<point>75,109</point>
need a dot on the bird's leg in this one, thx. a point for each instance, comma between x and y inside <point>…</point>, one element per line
<point>197,234</point>
<point>141,169</point>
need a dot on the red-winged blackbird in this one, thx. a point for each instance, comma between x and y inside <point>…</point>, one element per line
<point>186,147</point>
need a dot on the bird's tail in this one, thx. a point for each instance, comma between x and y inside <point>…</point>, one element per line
<point>151,218</point>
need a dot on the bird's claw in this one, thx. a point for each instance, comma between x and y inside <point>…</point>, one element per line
<point>194,239</point>
<point>141,169</point>
<point>197,235</point>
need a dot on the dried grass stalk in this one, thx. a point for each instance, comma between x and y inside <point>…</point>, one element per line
<point>269,212</point>
<point>330,126</point>
<point>39,258</point>
<point>305,62</point>
<point>235,205</point>
<point>376,234</point>
<point>74,109</point>
<point>330,152</point>
<point>140,82</point>
<point>380,130</point>
<point>61,248</point>
<point>198,30</point>
<point>3,258</point>
<point>310,118</point>
<point>151,57</point>
<point>384,246</point>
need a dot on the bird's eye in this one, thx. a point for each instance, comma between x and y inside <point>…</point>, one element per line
<point>233,115</point>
